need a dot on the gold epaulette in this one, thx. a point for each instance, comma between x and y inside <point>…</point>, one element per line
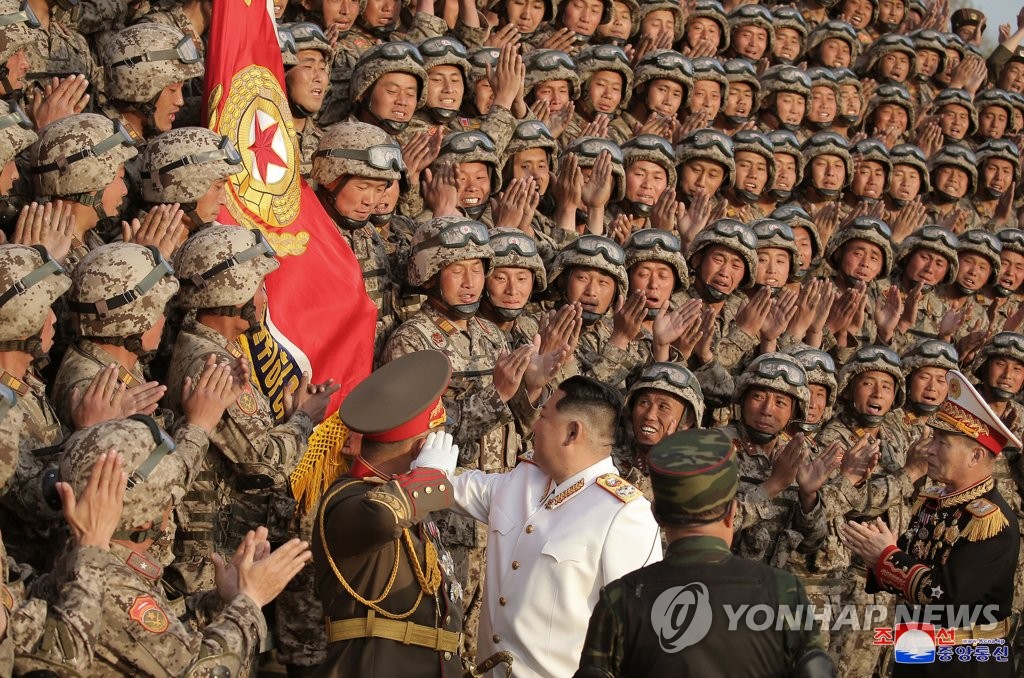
<point>987,520</point>
<point>623,490</point>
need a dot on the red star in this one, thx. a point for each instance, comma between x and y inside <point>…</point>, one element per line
<point>262,147</point>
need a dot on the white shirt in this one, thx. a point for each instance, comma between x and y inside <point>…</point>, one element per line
<point>546,566</point>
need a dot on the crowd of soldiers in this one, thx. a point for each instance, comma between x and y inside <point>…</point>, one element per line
<point>787,223</point>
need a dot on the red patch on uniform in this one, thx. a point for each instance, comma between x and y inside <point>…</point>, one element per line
<point>148,613</point>
<point>437,339</point>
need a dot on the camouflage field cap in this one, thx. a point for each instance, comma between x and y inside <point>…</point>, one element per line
<point>596,58</point>
<point>672,378</point>
<point>141,60</point>
<point>734,235</point>
<point>223,266</point>
<point>156,475</point>
<point>16,18</point>
<point>593,251</point>
<point>181,165</point>
<point>870,229</point>
<point>388,57</point>
<point>874,359</point>
<point>79,154</point>
<point>694,477</point>
<point>545,65</point>
<point>820,368</point>
<point>514,249</point>
<point>935,239</point>
<point>983,243</point>
<point>929,353</point>
<point>16,132</point>
<point>957,155</point>
<point>356,149</point>
<point>11,421</point>
<point>779,372</point>
<point>713,10</point>
<point>30,281</point>
<point>120,289</point>
<point>442,241</point>
<point>654,244</point>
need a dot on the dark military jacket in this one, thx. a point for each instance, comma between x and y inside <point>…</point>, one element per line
<point>626,635</point>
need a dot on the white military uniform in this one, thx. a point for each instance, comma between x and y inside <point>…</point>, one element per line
<point>550,550</point>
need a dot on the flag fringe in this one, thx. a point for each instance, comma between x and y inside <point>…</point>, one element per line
<point>321,465</point>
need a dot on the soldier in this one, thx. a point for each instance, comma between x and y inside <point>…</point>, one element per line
<point>752,32</point>
<point>565,502</point>
<point>354,165</point>
<point>389,84</point>
<point>662,17</point>
<point>147,66</point>
<point>755,174</point>
<point>662,80</point>
<point>189,167</point>
<point>477,168</point>
<point>710,89</point>
<point>778,258</point>
<point>790,34</point>
<point>967,553</point>
<point>931,63</point>
<point>707,164</point>
<point>783,99</point>
<point>518,274</point>
<point>969,24</point>
<point>551,76</point>
<point>253,448</point>
<point>925,260</point>
<point>828,170</point>
<point>890,60</point>
<point>706,24</point>
<point>14,39</point>
<point>590,155</point>
<point>995,114</point>
<point>118,296</point>
<point>81,159</point>
<point>530,153</point>
<point>998,177</point>
<point>58,50</point>
<point>823,102</point>
<point>872,169</point>
<point>665,398</point>
<point>695,476</point>
<point>924,368</point>
<point>744,90</point>
<point>391,598</point>
<point>606,81</point>
<point>821,385</point>
<point>957,116</point>
<point>833,44</point>
<point>143,631</point>
<point>649,164</point>
<point>1010,282</point>
<point>910,177</point>
<point>307,81</point>
<point>890,114</point>
<point>655,266</point>
<point>851,101</point>
<point>862,258</point>
<point>978,262</point>
<point>805,237</point>
<point>788,163</point>
<point>954,180</point>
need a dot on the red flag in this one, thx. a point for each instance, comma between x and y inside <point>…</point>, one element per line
<point>320,319</point>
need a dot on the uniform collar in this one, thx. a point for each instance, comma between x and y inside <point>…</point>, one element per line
<point>697,549</point>
<point>967,494</point>
<point>570,487</point>
<point>364,470</point>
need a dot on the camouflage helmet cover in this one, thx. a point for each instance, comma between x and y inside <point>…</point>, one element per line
<point>507,245</point>
<point>983,243</point>
<point>754,15</point>
<point>713,10</point>
<point>672,378</point>
<point>957,97</point>
<point>378,61</point>
<point>663,64</point>
<point>597,58</point>
<point>786,143</point>
<point>16,133</point>
<point>563,68</point>
<point>443,241</point>
<point>248,259</point>
<point>14,29</point>
<point>479,148</point>
<point>868,229</point>
<point>709,144</point>
<point>820,369</point>
<point>776,234</point>
<point>137,66</point>
<point>779,372</point>
<point>672,6</point>
<point>446,48</point>
<point>353,136</point>
<point>733,235</point>
<point>24,314</point>
<point>530,133</point>
<point>827,143</point>
<point>655,250</point>
<point>593,251</point>
<point>959,156</point>
<point>1003,149</point>
<point>1002,345</point>
<point>874,359</point>
<point>935,239</point>
<point>834,28</point>
<point>795,216</point>
<point>206,158</point>
<point>751,141</point>
<point>637,149</point>
<point>929,353</point>
<point>69,137</point>
<point>585,147</point>
<point>908,154</point>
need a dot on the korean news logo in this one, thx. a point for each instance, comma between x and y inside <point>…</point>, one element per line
<point>923,643</point>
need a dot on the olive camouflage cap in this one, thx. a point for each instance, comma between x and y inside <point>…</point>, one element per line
<point>141,60</point>
<point>874,359</point>
<point>694,477</point>
<point>356,149</point>
<point>16,133</point>
<point>119,290</point>
<point>181,165</point>
<point>29,284</point>
<point>79,154</point>
<point>442,241</point>
<point>223,266</point>
<point>593,251</point>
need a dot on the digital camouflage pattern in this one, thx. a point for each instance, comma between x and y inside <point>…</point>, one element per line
<point>512,258</point>
<point>632,152</point>
<point>185,184</point>
<point>26,312</point>
<point>707,144</point>
<point>861,228</point>
<point>143,81</point>
<point>719,233</point>
<point>478,154</point>
<point>352,136</point>
<point>570,256</point>
<point>15,34</point>
<point>67,137</point>
<point>373,64</point>
<point>753,375</point>
<point>59,50</point>
<point>429,257</point>
<point>13,137</point>
<point>231,287</point>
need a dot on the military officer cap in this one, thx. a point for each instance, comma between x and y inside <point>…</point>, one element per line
<point>401,400</point>
<point>967,16</point>
<point>965,412</point>
<point>694,476</point>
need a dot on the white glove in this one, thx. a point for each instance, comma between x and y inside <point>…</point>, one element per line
<point>438,452</point>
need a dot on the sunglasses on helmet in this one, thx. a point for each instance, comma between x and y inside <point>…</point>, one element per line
<point>591,147</point>
<point>669,61</point>
<point>735,229</point>
<point>767,229</point>
<point>261,248</point>
<point>775,368</point>
<point>15,117</point>
<point>609,53</point>
<point>24,15</point>
<point>550,59</point>
<point>1011,236</point>
<point>983,238</point>
<point>531,130</point>
<point>938,234</point>
<point>225,151</point>
<point>485,56</point>
<point>871,353</point>
<point>871,224</point>
<point>933,348</point>
<point>677,375</point>
<point>593,245</point>
<point>792,76</point>
<point>1011,340</point>
<point>958,152</point>
<point>705,138</point>
<point>814,360</point>
<point>305,31</point>
<point>394,51</point>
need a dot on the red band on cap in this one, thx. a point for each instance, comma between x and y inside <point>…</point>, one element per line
<point>432,417</point>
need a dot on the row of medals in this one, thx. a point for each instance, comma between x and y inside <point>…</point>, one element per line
<point>940,536</point>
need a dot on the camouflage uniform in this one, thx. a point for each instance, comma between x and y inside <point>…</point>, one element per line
<point>976,306</point>
<point>931,307</point>
<point>602,58</point>
<point>59,51</point>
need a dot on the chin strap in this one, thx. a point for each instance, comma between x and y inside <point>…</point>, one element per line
<point>460,311</point>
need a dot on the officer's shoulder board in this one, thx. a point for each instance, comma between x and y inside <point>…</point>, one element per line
<point>621,489</point>
<point>987,520</point>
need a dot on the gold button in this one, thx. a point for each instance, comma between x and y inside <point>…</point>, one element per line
<point>515,564</point>
<point>415,494</point>
<point>530,529</point>
<point>447,656</point>
<point>502,601</point>
<point>441,487</point>
<point>428,490</point>
<point>496,638</point>
<point>447,620</point>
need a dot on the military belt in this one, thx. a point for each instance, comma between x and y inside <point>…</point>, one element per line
<point>1000,629</point>
<point>406,633</point>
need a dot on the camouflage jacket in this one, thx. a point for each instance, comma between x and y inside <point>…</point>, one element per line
<point>929,314</point>
<point>597,357</point>
<point>309,141</point>
<point>770,529</point>
<point>81,364</point>
<point>1009,469</point>
<point>60,51</point>
<point>984,216</point>
<point>732,345</point>
<point>966,204</point>
<point>378,279</point>
<point>499,124</point>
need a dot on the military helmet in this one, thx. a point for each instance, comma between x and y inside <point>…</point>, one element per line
<point>384,58</point>
<point>1003,149</point>
<point>1002,345</point>
<point>828,143</point>
<point>309,36</point>
<point>874,151</point>
<point>824,77</point>
<point>820,369</point>
<point>678,14</point>
<point>156,476</point>
<point>587,150</point>
<point>753,141</point>
<point>286,42</point>
<point>784,78</point>
<point>869,229</point>
<point>742,70</point>
<point>79,154</point>
<point>779,372</point>
<point>356,149</point>
<point>142,59</point>
<point>672,378</point>
<point>935,239</point>
<point>834,28</point>
<point>909,154</point>
<point>472,146</point>
<point>531,133</point>
<point>712,9</point>
<point>710,68</point>
<point>16,18</point>
<point>709,144</point>
<point>787,16</point>
<point>223,266</point>
<point>499,7</point>
<point>1012,240</point>
<point>785,142</point>
<point>776,234</point>
<point>654,149</point>
<point>888,44</point>
<point>929,353</point>
<point>479,59</point>
<point>654,244</point>
<point>984,244</point>
<point>30,281</point>
<point>994,97</point>
<point>734,235</point>
<point>16,133</point>
<point>514,249</point>
<point>957,155</point>
<point>754,15</point>
<point>12,422</point>
<point>442,241</point>
<point>595,58</point>
<point>119,290</point>
<point>545,65</point>
<point>926,38</point>
<point>593,251</point>
<point>445,50</point>
<point>957,97</point>
<point>663,64</point>
<point>181,165</point>
<point>957,44</point>
<point>890,93</point>
<point>795,216</point>
<point>874,359</point>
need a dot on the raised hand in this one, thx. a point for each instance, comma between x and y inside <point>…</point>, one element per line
<point>161,228</point>
<point>94,515</point>
<point>628,319</point>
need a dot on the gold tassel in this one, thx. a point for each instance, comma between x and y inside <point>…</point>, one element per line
<point>980,529</point>
<point>321,465</point>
